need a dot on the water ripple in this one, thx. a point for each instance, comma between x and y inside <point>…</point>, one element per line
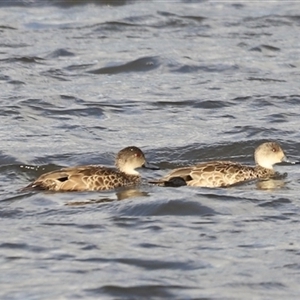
<point>187,82</point>
<point>144,64</point>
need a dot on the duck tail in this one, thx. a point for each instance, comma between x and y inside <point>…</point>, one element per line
<point>33,186</point>
<point>172,182</point>
<point>157,182</point>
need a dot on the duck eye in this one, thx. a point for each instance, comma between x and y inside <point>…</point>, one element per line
<point>274,149</point>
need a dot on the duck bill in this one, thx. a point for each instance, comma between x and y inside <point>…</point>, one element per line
<point>149,166</point>
<point>285,159</point>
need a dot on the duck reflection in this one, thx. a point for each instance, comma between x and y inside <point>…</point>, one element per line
<point>121,194</point>
<point>276,182</point>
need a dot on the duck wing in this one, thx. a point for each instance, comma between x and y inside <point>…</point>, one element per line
<point>82,178</point>
<point>210,174</point>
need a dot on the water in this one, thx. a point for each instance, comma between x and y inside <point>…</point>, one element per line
<point>186,81</point>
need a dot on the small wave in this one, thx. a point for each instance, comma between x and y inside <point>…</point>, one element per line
<point>62,3</point>
<point>265,79</point>
<point>23,59</point>
<point>144,64</point>
<point>60,53</point>
<point>139,292</point>
<point>264,48</point>
<point>206,68</point>
<point>167,208</point>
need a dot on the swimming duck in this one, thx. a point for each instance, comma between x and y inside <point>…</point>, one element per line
<point>95,178</point>
<point>226,173</point>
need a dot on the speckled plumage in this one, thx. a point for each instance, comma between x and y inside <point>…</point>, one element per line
<point>95,178</point>
<point>227,173</point>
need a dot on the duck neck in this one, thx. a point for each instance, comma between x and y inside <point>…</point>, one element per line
<point>264,163</point>
<point>264,168</point>
<point>129,171</point>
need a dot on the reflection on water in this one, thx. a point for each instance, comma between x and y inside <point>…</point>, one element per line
<point>277,182</point>
<point>130,193</point>
<point>123,194</point>
<point>270,184</point>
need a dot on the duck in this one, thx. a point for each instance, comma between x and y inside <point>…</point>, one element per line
<point>215,174</point>
<point>94,177</point>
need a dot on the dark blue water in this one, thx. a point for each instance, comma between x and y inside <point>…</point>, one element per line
<point>186,81</point>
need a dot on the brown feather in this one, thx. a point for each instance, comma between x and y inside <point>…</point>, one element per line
<point>94,178</point>
<point>227,173</point>
<point>83,178</point>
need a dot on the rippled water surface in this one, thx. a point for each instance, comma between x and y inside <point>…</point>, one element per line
<point>186,81</point>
